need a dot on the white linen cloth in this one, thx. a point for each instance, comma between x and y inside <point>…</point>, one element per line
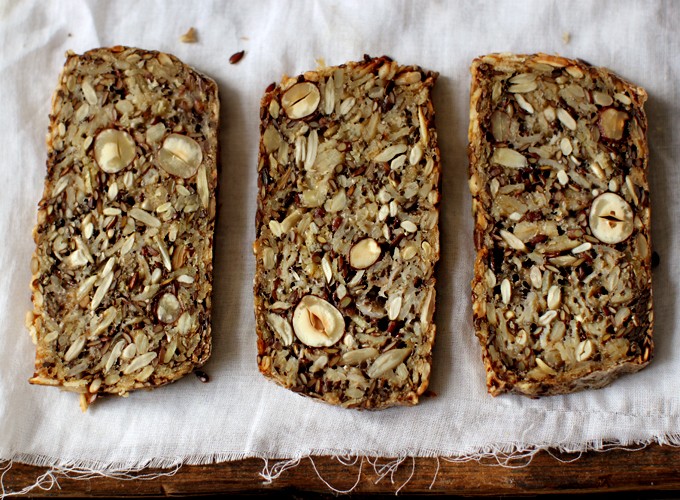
<point>238,413</point>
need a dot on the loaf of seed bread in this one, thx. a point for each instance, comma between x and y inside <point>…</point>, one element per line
<point>347,233</point>
<point>122,272</point>
<point>562,296</point>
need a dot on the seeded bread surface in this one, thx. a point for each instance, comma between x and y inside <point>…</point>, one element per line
<point>122,272</point>
<point>347,233</point>
<point>562,295</point>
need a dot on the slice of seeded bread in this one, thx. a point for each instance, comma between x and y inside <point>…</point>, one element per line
<point>562,295</point>
<point>347,233</point>
<point>122,272</point>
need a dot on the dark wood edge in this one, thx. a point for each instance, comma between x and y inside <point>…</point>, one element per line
<point>656,468</point>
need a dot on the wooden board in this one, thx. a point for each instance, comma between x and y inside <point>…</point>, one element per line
<point>652,470</point>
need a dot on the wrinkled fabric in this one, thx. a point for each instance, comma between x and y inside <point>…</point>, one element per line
<point>239,413</point>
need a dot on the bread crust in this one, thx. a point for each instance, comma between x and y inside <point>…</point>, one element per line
<point>323,189</point>
<point>122,272</point>
<point>553,114</point>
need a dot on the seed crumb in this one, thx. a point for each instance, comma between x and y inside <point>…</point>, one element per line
<point>566,37</point>
<point>235,58</point>
<point>202,376</point>
<point>189,36</point>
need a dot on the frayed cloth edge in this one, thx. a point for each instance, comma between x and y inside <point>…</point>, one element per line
<point>504,455</point>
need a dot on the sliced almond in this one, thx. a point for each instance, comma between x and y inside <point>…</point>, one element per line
<point>524,104</point>
<point>566,119</point>
<point>388,361</point>
<point>520,88</point>
<point>500,126</point>
<point>512,240</point>
<point>301,100</point>
<point>281,327</point>
<point>180,155</point>
<point>357,357</point>
<point>114,150</point>
<point>317,323</point>
<point>202,187</point>
<point>509,158</point>
<point>545,367</point>
<point>364,253</point>
<point>611,218</point>
<point>554,297</point>
<point>75,349</point>
<point>390,152</point>
<point>602,98</point>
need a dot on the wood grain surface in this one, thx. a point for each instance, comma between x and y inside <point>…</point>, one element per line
<point>656,470</point>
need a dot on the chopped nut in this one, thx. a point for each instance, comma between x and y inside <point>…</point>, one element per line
<point>140,362</point>
<point>189,36</point>
<point>180,155</point>
<point>327,270</point>
<point>574,71</point>
<point>612,123</point>
<point>317,323</point>
<point>114,150</point>
<point>116,222</point>
<point>202,187</point>
<point>301,100</point>
<point>169,308</point>
<point>611,218</point>
<point>348,188</point>
<point>75,349</point>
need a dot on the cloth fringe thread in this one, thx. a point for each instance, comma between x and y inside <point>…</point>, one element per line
<point>512,456</point>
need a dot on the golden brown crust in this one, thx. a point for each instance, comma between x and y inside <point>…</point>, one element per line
<point>548,136</point>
